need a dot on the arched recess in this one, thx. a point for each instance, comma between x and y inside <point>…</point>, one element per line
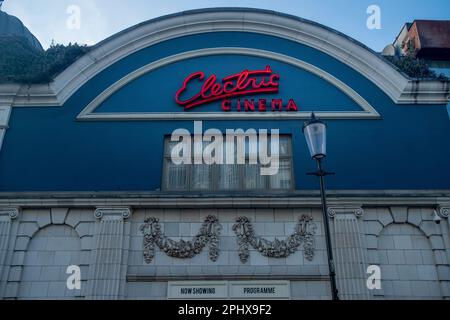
<point>366,112</point>
<point>50,251</point>
<point>407,262</point>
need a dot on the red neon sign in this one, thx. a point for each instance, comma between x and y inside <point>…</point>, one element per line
<point>240,84</point>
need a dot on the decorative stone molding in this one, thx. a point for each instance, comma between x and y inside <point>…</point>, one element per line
<point>208,233</point>
<point>444,211</point>
<point>304,233</point>
<point>333,211</point>
<point>9,213</point>
<point>158,200</point>
<point>120,213</point>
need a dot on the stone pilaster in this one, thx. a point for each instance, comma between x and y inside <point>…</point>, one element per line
<point>349,252</point>
<point>111,244</point>
<point>7,215</point>
<point>443,211</point>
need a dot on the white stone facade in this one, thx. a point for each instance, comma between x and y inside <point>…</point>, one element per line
<point>39,242</point>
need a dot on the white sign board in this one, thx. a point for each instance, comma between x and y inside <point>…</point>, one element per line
<point>261,289</point>
<point>197,290</point>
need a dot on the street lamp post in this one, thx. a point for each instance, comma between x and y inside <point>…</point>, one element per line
<point>315,134</point>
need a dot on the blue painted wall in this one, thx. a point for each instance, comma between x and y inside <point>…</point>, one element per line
<point>46,149</point>
<point>150,96</point>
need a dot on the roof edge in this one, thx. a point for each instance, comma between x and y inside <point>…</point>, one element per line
<point>349,51</point>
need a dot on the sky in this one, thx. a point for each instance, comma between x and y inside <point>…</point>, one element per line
<point>57,20</point>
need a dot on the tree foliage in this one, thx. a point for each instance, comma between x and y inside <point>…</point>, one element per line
<point>414,67</point>
<point>22,63</point>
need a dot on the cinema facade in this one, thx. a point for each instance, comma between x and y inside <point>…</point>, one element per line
<point>86,177</point>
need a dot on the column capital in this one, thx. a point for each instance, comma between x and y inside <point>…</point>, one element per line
<point>9,213</point>
<point>112,213</point>
<point>358,211</point>
<point>444,210</point>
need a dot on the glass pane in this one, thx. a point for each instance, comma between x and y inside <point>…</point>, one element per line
<point>316,138</point>
<point>169,147</point>
<point>201,177</point>
<point>232,148</point>
<point>176,176</point>
<point>253,180</point>
<point>282,145</point>
<point>283,179</point>
<point>251,148</point>
<point>197,152</point>
<point>229,177</point>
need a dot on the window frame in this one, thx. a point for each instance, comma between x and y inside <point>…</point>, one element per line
<point>215,174</point>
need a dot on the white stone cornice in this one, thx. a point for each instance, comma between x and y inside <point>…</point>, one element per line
<point>397,86</point>
<point>8,93</point>
<point>112,213</point>
<point>9,213</point>
<point>336,210</point>
<point>429,92</point>
<point>342,198</point>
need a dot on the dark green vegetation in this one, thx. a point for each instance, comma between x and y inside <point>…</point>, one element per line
<point>414,67</point>
<point>21,63</point>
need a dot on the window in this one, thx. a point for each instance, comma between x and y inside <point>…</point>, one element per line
<point>229,177</point>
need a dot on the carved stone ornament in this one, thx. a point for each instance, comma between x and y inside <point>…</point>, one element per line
<point>208,233</point>
<point>303,234</point>
<point>444,211</point>
<point>11,213</point>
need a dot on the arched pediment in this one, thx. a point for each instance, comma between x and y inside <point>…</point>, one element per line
<point>353,54</point>
<point>306,82</point>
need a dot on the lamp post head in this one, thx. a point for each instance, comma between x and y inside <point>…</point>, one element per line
<point>315,132</point>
